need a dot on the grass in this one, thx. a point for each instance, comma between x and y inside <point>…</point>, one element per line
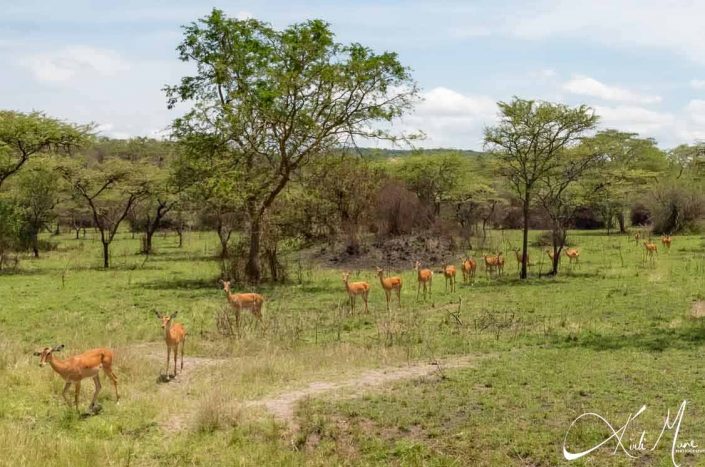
<point>607,336</point>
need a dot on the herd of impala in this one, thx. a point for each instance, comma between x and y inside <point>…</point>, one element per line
<point>88,364</point>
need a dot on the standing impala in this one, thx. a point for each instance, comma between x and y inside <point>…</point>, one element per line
<point>250,301</point>
<point>354,289</point>
<point>389,284</point>
<point>666,242</point>
<point>573,255</point>
<point>449,274</point>
<point>79,367</point>
<point>469,266</point>
<point>175,336</point>
<point>425,278</point>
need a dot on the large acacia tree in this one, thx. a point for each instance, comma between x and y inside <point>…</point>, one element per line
<point>269,101</point>
<point>529,141</point>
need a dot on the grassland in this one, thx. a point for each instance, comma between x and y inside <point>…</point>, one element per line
<point>608,336</point>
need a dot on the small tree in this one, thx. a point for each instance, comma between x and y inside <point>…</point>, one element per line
<point>270,101</point>
<point>23,136</point>
<point>36,195</point>
<point>560,197</point>
<point>528,142</point>
<point>110,187</point>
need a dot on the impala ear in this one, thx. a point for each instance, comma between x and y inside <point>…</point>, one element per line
<point>156,313</point>
<point>37,354</point>
<point>57,348</point>
<point>173,315</point>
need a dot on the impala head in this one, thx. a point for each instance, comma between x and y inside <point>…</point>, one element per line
<point>417,265</point>
<point>380,271</point>
<point>226,285</point>
<point>165,319</point>
<point>45,354</point>
<point>346,275</point>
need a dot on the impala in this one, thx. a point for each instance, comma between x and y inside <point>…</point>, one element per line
<point>449,274</point>
<point>468,268</point>
<point>650,250</point>
<point>174,336</point>
<point>425,279</point>
<point>573,255</point>
<point>79,367</point>
<point>250,301</point>
<point>666,242</point>
<point>354,289</point>
<point>390,284</point>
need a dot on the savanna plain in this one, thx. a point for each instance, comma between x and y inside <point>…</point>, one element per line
<point>492,374</point>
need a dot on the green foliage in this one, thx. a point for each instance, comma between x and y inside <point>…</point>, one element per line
<point>267,102</point>
<point>25,135</point>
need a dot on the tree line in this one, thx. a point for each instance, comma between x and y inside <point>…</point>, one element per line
<point>266,156</point>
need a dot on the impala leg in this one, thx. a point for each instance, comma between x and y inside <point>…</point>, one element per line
<point>430,283</point>
<point>237,320</point>
<point>399,296</point>
<point>77,384</point>
<point>176,355</point>
<point>66,390</point>
<point>109,373</point>
<point>418,290</point>
<point>183,343</point>
<point>388,293</point>
<point>168,354</point>
<point>96,381</point>
<point>364,297</point>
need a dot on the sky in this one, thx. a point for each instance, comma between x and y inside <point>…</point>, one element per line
<point>639,63</point>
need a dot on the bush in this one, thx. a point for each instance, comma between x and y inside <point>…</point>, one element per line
<point>676,209</point>
<point>399,211</point>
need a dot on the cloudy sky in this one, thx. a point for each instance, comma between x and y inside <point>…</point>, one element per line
<point>639,63</point>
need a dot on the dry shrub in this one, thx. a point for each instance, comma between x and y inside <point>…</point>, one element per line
<point>676,208</point>
<point>216,412</point>
<point>399,211</point>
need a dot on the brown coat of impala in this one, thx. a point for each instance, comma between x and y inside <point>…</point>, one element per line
<point>75,369</point>
<point>425,278</point>
<point>390,284</point>
<point>468,268</point>
<point>666,242</point>
<point>573,255</point>
<point>354,289</point>
<point>175,337</point>
<point>240,301</point>
<point>449,274</point>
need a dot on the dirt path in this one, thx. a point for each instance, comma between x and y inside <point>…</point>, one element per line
<point>284,404</point>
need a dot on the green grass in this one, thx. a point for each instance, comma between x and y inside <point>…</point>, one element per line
<point>607,336</point>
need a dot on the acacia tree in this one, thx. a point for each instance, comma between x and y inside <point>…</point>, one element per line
<point>23,136</point>
<point>629,164</point>
<point>558,194</point>
<point>110,187</point>
<point>269,101</point>
<point>528,142</point>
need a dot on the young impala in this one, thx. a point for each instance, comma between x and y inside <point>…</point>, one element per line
<point>469,266</point>
<point>250,301</point>
<point>79,367</point>
<point>573,255</point>
<point>650,250</point>
<point>517,253</point>
<point>666,242</point>
<point>390,284</point>
<point>425,279</point>
<point>449,274</point>
<point>175,336</point>
<point>354,289</point>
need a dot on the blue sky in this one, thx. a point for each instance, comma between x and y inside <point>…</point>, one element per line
<point>639,63</point>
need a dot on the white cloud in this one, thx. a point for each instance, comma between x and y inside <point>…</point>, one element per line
<point>674,25</point>
<point>451,119</point>
<point>586,86</point>
<point>75,62</point>
<point>634,118</point>
<point>697,83</point>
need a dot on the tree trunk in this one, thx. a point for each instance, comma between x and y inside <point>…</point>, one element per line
<point>252,268</point>
<point>620,219</point>
<point>180,232</point>
<point>35,245</point>
<point>148,242</point>
<point>525,239</point>
<point>106,254</point>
